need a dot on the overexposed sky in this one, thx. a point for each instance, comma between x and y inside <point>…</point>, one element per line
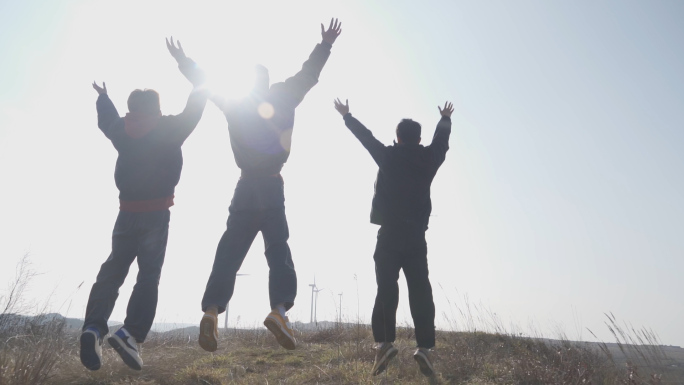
<point>559,201</point>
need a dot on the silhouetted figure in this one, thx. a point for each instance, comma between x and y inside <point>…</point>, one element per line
<point>402,206</point>
<point>260,128</point>
<point>147,171</point>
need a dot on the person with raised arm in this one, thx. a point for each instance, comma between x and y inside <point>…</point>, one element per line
<point>148,169</point>
<point>402,206</point>
<point>260,129</point>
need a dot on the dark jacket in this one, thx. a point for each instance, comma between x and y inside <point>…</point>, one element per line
<point>406,171</point>
<point>260,128</point>
<point>150,158</point>
<point>261,144</point>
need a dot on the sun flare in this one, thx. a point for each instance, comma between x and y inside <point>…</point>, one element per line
<point>231,83</point>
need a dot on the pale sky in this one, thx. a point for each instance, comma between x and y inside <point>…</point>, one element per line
<point>559,200</point>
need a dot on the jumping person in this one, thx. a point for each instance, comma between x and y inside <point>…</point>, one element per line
<point>260,128</point>
<point>402,206</point>
<point>148,168</point>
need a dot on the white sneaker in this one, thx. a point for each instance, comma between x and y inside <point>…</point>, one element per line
<point>127,348</point>
<point>91,349</point>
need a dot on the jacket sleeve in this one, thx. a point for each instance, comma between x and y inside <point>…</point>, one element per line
<point>374,146</point>
<point>107,115</point>
<point>440,141</point>
<point>198,78</point>
<point>192,72</point>
<point>181,126</point>
<point>296,87</point>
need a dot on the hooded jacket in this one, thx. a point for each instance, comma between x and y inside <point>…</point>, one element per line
<point>150,160</point>
<point>260,125</point>
<point>405,174</point>
<point>260,128</point>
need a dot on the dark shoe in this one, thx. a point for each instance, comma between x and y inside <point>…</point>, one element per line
<point>422,357</point>
<point>385,352</point>
<point>91,349</point>
<point>127,347</point>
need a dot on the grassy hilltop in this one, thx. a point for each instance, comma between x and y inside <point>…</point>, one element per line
<point>43,350</point>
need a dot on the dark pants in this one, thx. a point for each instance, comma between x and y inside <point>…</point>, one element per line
<point>141,235</point>
<point>396,249</point>
<point>241,229</point>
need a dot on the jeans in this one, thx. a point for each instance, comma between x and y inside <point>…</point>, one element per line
<point>241,229</point>
<point>402,248</point>
<point>141,235</point>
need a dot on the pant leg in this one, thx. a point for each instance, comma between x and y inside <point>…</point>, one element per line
<point>387,266</point>
<point>112,273</point>
<point>419,289</point>
<point>241,229</point>
<point>282,278</point>
<point>153,230</point>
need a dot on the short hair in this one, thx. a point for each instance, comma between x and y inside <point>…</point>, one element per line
<point>408,131</point>
<point>144,101</point>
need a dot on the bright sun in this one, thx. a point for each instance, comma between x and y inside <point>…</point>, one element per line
<point>231,83</point>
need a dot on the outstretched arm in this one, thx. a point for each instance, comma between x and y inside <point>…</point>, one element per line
<point>187,66</point>
<point>296,87</point>
<point>107,114</point>
<point>181,126</point>
<point>374,146</point>
<point>440,141</point>
<point>192,71</point>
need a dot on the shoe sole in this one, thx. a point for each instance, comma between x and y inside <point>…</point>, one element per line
<point>385,361</point>
<point>207,339</point>
<point>424,365</point>
<point>281,336</point>
<point>89,357</point>
<point>117,344</point>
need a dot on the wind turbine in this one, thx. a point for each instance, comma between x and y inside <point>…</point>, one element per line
<point>225,324</point>
<point>314,303</point>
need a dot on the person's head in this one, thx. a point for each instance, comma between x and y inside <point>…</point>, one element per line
<point>408,132</point>
<point>261,80</point>
<point>144,101</point>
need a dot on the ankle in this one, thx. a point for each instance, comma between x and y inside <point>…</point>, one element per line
<point>382,345</point>
<point>94,330</point>
<point>281,309</point>
<point>213,310</point>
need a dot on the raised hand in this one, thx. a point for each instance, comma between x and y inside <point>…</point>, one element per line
<point>343,109</point>
<point>176,52</point>
<point>333,31</point>
<point>448,109</point>
<point>100,90</point>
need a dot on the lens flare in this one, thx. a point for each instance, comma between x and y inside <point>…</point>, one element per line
<point>266,110</point>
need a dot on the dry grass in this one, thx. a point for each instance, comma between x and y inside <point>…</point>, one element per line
<point>41,350</point>
<point>30,350</point>
<point>344,356</point>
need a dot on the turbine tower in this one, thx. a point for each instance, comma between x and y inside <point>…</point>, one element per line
<point>313,290</point>
<point>225,324</point>
<point>314,302</point>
